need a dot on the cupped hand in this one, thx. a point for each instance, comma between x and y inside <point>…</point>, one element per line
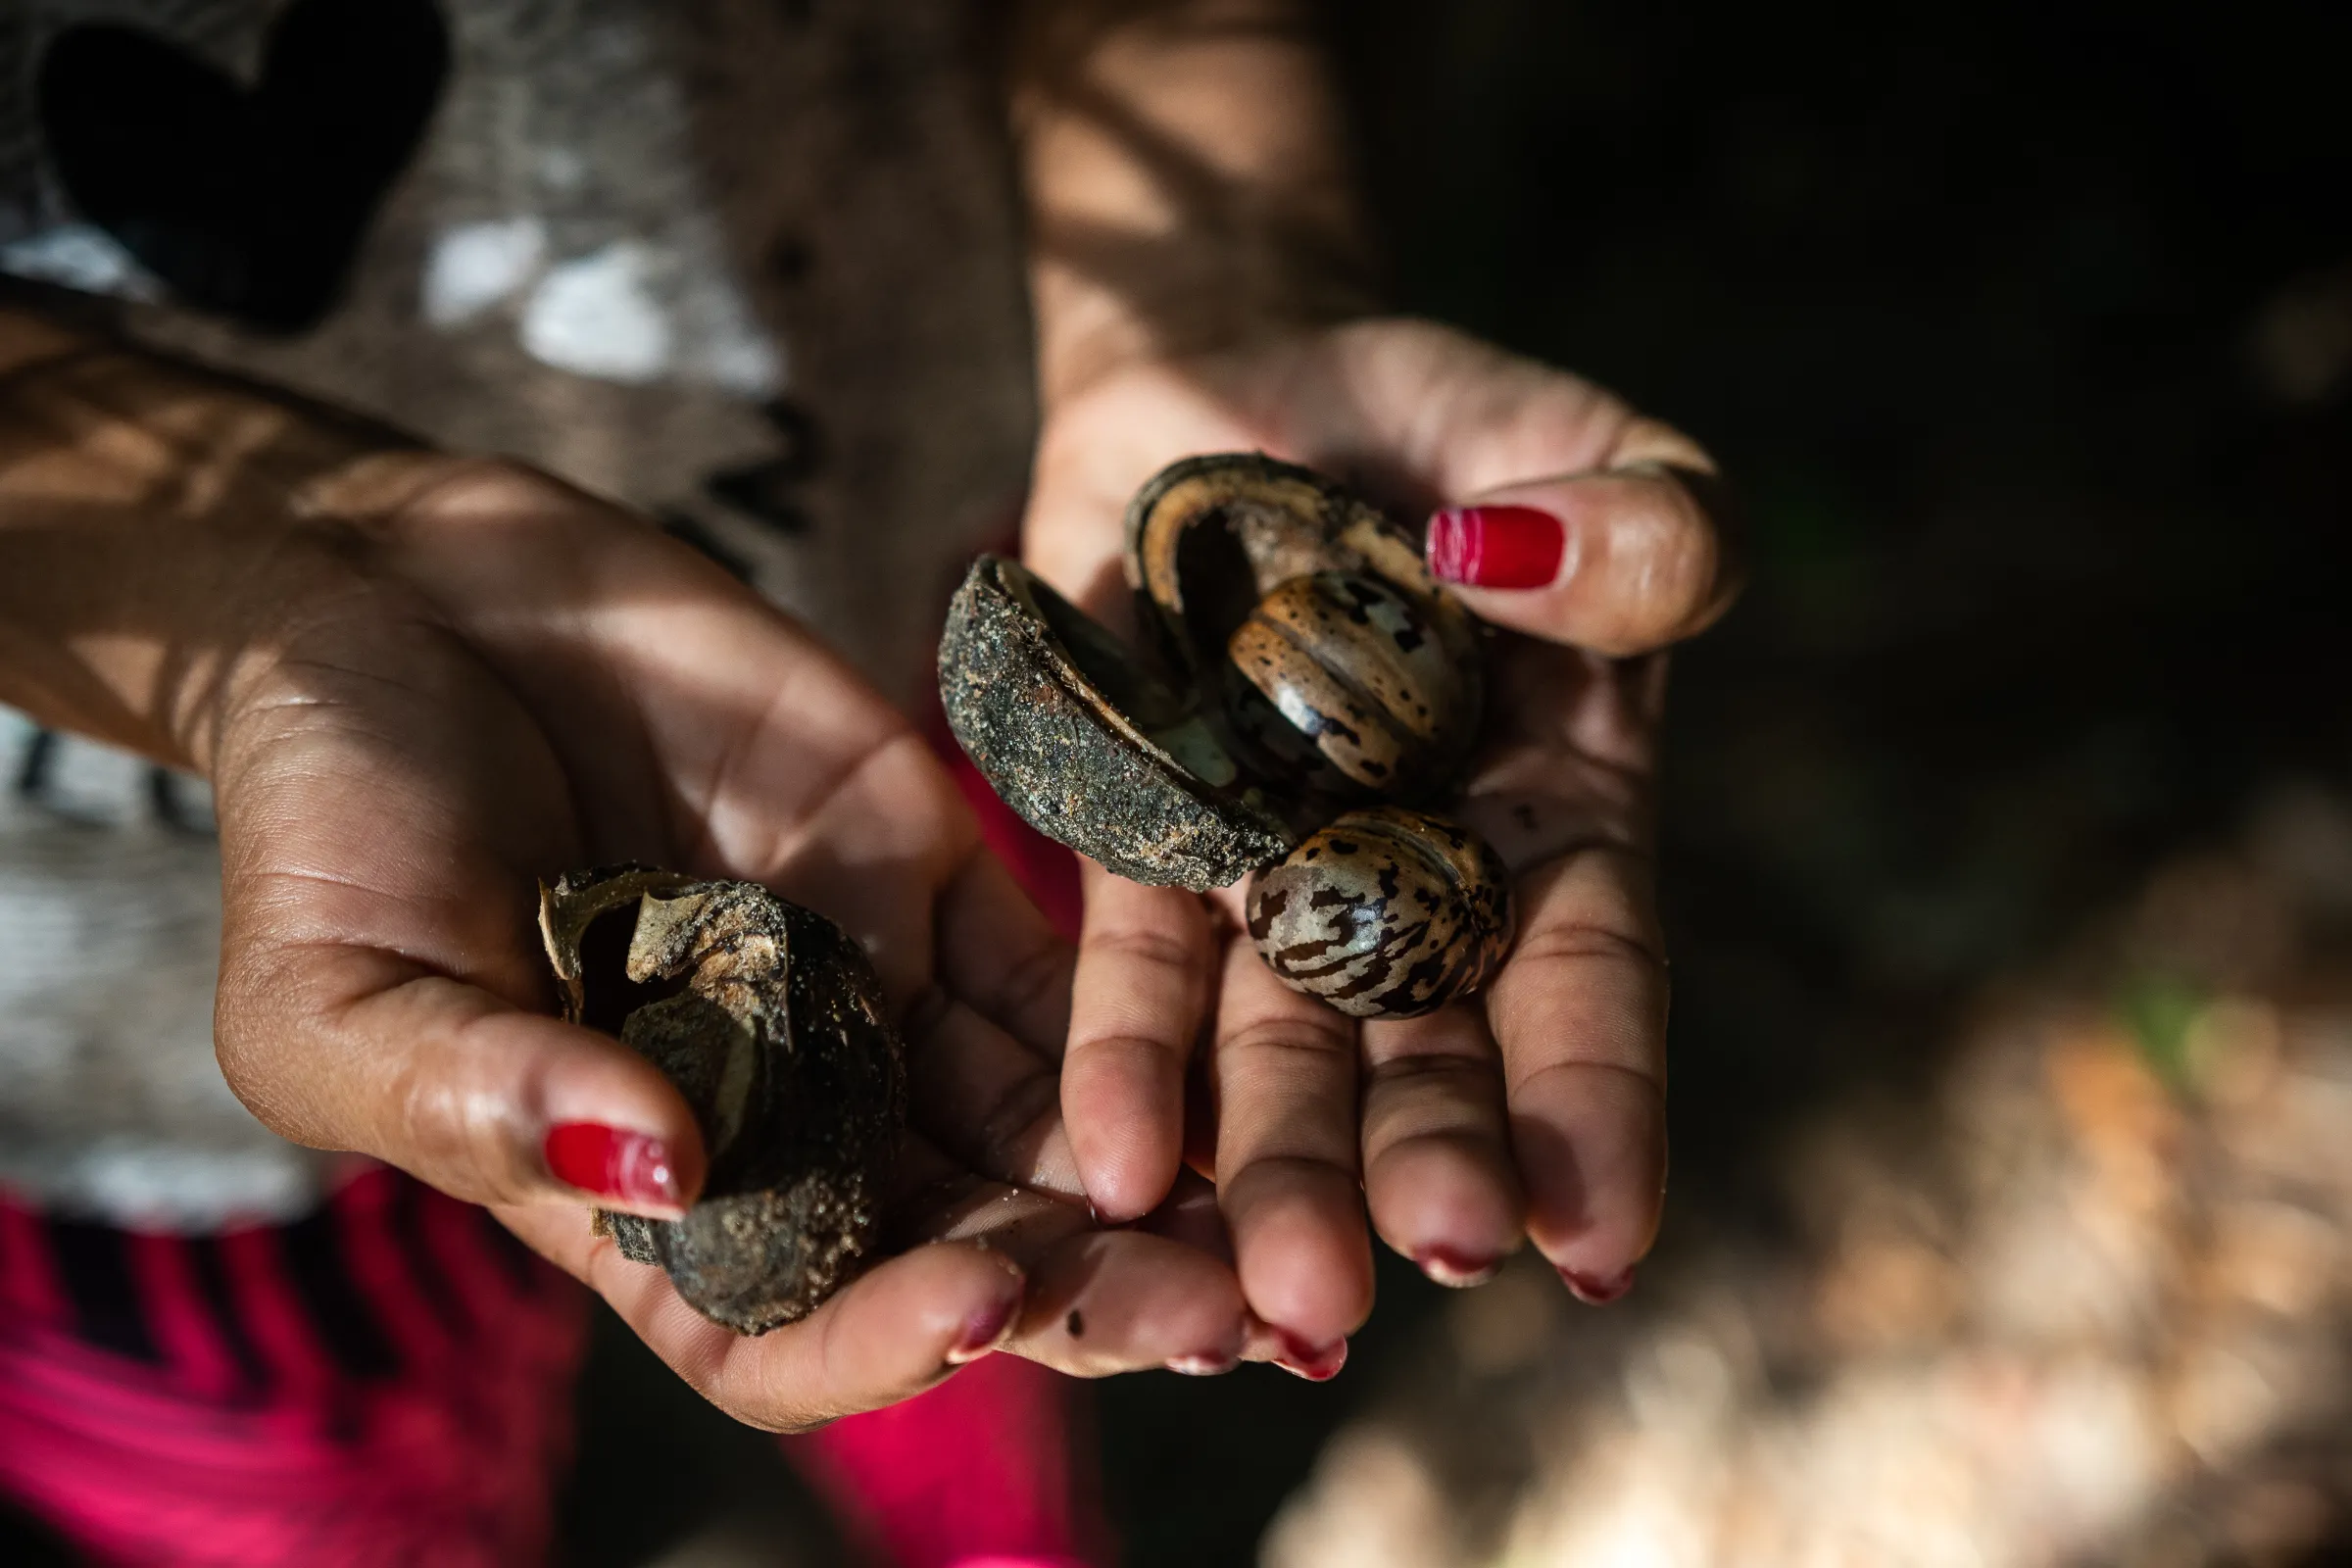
<point>1536,1110</point>
<point>498,679</point>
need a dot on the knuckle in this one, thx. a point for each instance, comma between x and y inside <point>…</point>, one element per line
<point>1030,983</point>
<point>1648,1085</point>
<point>1279,1044</point>
<point>1008,1123</point>
<point>1648,442</point>
<point>1286,1177</point>
<point>1675,562</point>
<point>1428,1071</point>
<point>1120,1049</point>
<point>1149,946</point>
<point>1590,943</point>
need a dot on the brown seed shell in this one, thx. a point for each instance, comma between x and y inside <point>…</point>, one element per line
<point>770,1021</point>
<point>1088,747</point>
<point>1283,520</point>
<point>1210,536</point>
<point>1385,914</point>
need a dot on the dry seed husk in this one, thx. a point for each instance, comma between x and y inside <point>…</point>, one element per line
<point>770,1021</point>
<point>1088,745</point>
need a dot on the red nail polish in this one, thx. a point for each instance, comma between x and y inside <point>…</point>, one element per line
<point>1596,1293</point>
<point>1495,546</point>
<point>1308,1361</point>
<point>1449,1267</point>
<point>612,1163</point>
<point>1208,1364</point>
<point>983,1329</point>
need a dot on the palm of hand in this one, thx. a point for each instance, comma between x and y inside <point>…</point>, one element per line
<point>1538,1109</point>
<point>504,681</point>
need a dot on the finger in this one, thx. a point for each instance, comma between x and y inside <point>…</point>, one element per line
<point>451,1084</point>
<point>1190,1215</point>
<point>1621,561</point>
<point>1000,956</point>
<point>1439,1172</point>
<point>1146,960</point>
<point>891,1333</point>
<point>1099,1301</point>
<point>989,1101</point>
<point>379,837</point>
<point>1285,1067</point>
<point>1580,1013</point>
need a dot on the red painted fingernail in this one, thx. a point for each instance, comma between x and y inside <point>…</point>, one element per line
<point>1598,1292</point>
<point>1308,1361</point>
<point>612,1163</point>
<point>984,1328</point>
<point>1449,1267</point>
<point>1208,1364</point>
<point>1495,546</point>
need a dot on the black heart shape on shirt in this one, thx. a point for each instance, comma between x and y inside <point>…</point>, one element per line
<point>250,203</point>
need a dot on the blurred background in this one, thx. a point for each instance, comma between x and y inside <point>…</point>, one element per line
<point>2008,854</point>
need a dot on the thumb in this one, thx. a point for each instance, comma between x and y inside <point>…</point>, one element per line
<point>1621,561</point>
<point>345,1047</point>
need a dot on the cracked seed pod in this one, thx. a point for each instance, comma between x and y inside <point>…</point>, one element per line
<point>770,1022</point>
<point>1208,538</point>
<point>1301,656</point>
<point>1088,746</point>
<point>1385,914</point>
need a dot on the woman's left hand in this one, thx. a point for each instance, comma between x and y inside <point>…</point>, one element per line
<point>1536,1109</point>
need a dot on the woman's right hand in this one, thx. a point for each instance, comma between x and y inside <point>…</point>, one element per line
<point>419,685</point>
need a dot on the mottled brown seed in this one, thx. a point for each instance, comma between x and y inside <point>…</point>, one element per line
<point>1340,679</point>
<point>1385,914</point>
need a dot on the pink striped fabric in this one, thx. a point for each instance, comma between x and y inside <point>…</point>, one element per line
<point>238,1437</point>
<point>270,1452</point>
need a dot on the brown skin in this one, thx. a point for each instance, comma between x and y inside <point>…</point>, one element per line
<point>1199,280</point>
<point>419,684</point>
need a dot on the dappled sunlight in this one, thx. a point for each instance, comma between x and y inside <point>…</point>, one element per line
<point>2088,1297</point>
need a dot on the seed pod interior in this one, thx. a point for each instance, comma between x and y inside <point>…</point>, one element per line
<point>1208,537</point>
<point>1343,677</point>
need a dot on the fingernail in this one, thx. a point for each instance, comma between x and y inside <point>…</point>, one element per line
<point>1208,1364</point>
<point>1495,546</point>
<point>1596,1292</point>
<point>984,1328</point>
<point>1305,1360</point>
<point>1454,1269</point>
<point>611,1163</point>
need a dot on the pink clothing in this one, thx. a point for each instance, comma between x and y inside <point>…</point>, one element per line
<point>978,1471</point>
<point>232,1399</point>
<point>388,1382</point>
